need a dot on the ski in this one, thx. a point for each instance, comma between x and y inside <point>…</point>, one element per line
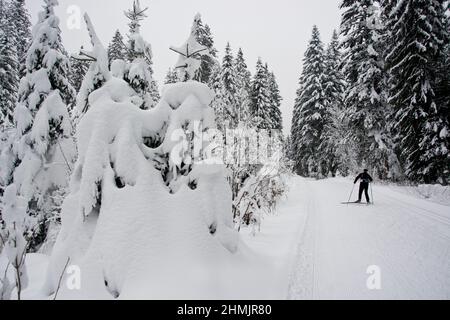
<point>360,203</point>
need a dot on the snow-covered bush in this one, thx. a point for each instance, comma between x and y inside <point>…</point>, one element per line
<point>13,244</point>
<point>260,194</point>
<point>244,140</point>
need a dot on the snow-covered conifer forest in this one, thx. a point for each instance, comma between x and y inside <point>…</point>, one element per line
<point>116,184</point>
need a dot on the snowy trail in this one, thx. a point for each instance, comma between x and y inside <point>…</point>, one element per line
<point>406,237</point>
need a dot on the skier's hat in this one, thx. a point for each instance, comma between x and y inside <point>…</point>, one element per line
<point>366,170</point>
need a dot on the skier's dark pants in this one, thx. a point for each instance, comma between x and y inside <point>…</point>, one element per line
<point>364,186</point>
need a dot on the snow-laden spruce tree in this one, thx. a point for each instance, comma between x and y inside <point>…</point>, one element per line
<point>311,114</point>
<point>418,36</point>
<point>229,115</point>
<point>192,55</point>
<point>144,197</point>
<point>244,76</point>
<point>9,72</point>
<point>78,70</point>
<point>9,78</point>
<point>38,158</point>
<point>139,70</point>
<point>244,84</point>
<point>275,103</point>
<point>333,148</point>
<point>171,76</point>
<point>335,82</point>
<point>261,98</point>
<point>19,16</point>
<point>218,103</point>
<point>229,89</point>
<point>117,50</point>
<point>265,99</point>
<point>365,97</point>
<point>204,37</point>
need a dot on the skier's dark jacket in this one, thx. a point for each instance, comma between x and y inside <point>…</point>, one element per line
<point>365,178</point>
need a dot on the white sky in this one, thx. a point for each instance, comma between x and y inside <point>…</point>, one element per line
<point>275,30</point>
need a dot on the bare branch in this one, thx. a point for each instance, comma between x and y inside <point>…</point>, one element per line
<point>60,278</point>
<point>176,51</point>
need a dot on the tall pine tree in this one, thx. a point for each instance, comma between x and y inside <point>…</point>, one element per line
<point>40,153</point>
<point>229,89</point>
<point>9,71</point>
<point>332,142</point>
<point>310,110</point>
<point>218,103</point>
<point>242,73</point>
<point>335,82</point>
<point>244,86</point>
<point>20,17</point>
<point>275,103</point>
<point>366,107</point>
<point>419,35</point>
<point>261,98</point>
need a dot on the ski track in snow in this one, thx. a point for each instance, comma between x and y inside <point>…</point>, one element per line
<point>406,237</point>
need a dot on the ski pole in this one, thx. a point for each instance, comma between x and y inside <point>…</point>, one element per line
<point>371,193</point>
<point>349,198</point>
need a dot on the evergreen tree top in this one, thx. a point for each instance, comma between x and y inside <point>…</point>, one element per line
<point>228,71</point>
<point>191,54</point>
<point>334,43</point>
<point>202,33</point>
<point>242,72</point>
<point>46,55</point>
<point>314,60</point>
<point>135,15</point>
<point>137,47</point>
<point>240,60</point>
<point>117,48</point>
<point>117,35</point>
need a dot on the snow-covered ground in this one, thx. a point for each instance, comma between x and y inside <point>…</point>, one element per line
<point>434,193</point>
<point>407,239</point>
<point>317,248</point>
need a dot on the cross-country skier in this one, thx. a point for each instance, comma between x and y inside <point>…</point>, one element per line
<point>364,185</point>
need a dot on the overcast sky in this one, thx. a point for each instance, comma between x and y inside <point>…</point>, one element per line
<point>275,30</point>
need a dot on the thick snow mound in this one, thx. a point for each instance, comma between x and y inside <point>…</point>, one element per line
<point>131,234</point>
<point>175,94</point>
